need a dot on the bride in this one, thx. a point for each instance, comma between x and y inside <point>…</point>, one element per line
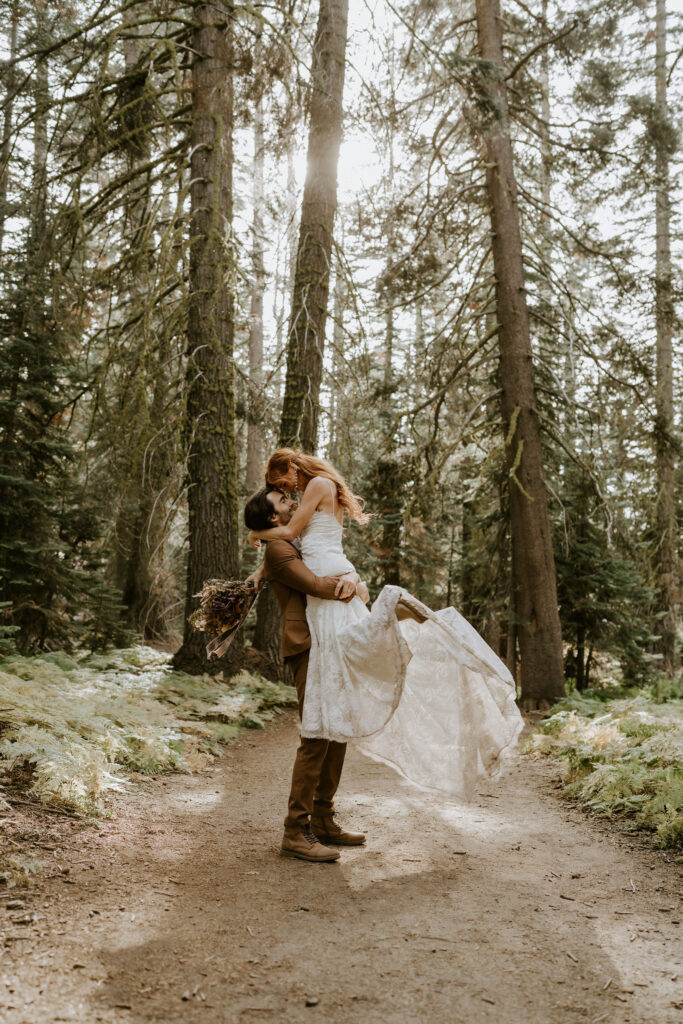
<point>416,689</point>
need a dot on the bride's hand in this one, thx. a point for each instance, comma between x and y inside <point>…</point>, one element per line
<point>346,588</point>
<point>362,592</point>
<point>253,540</point>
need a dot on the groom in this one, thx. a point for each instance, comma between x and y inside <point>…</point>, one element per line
<point>310,821</point>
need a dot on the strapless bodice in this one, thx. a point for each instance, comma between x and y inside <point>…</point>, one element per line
<point>321,545</point>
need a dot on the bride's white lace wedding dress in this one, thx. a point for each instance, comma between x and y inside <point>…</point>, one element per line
<point>429,698</point>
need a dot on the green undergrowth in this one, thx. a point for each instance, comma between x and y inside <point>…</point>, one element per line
<point>71,726</point>
<point>622,759</point>
<point>17,871</point>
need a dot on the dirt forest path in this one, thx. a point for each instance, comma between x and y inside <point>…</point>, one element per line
<point>515,909</point>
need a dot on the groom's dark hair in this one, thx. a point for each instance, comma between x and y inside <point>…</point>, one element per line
<point>258,510</point>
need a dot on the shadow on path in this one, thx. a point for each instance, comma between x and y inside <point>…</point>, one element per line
<point>506,910</point>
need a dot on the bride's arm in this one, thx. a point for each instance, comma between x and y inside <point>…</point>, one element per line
<point>312,496</point>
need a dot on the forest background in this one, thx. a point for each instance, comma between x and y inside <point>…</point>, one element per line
<point>182,289</point>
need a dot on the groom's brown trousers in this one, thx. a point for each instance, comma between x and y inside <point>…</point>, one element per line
<point>317,766</point>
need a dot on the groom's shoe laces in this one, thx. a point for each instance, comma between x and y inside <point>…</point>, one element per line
<point>309,837</point>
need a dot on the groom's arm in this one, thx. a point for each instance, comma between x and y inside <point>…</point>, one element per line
<point>284,565</point>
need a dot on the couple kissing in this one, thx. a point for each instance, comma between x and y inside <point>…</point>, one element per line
<point>416,689</point>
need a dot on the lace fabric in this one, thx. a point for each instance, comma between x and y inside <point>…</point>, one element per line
<point>429,698</point>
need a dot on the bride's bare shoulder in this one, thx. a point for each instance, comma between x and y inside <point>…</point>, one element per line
<point>322,483</point>
<point>325,491</point>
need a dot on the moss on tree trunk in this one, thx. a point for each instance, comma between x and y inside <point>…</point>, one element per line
<point>533,564</point>
<point>210,416</point>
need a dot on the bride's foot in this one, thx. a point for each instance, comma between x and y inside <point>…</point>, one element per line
<point>332,834</point>
<point>305,846</point>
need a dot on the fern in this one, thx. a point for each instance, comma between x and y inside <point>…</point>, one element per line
<point>18,870</point>
<point>622,759</point>
<point>81,722</point>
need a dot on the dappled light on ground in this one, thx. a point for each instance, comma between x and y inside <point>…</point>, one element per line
<point>513,908</point>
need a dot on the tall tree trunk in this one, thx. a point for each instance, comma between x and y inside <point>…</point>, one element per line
<point>255,422</point>
<point>665,450</point>
<point>142,521</point>
<point>547,336</point>
<point>139,525</point>
<point>450,585</point>
<point>32,312</point>
<point>38,240</point>
<point>466,588</point>
<point>267,631</point>
<point>5,147</point>
<point>306,336</point>
<point>306,332</point>
<point>389,495</point>
<point>212,466</point>
<point>336,396</point>
<point>511,645</point>
<point>419,351</point>
<point>389,470</point>
<point>285,279</point>
<point>533,564</point>
<point>33,377</point>
<point>580,657</point>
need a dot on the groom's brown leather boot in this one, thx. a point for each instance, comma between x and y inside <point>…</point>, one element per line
<point>329,832</point>
<point>305,846</point>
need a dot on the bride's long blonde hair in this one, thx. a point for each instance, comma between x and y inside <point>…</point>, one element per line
<point>309,466</point>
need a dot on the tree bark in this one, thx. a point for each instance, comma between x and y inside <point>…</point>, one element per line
<point>306,335</point>
<point>533,565</point>
<point>212,466</point>
<point>255,423</point>
<point>511,645</point>
<point>268,623</point>
<point>580,658</point>
<point>336,396</point>
<point>548,336</point>
<point>306,332</point>
<point>5,149</point>
<point>389,494</point>
<point>142,514</point>
<point>664,314</point>
<point>38,240</point>
<point>32,381</point>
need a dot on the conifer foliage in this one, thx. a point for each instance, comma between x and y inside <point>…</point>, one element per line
<point>468,299</point>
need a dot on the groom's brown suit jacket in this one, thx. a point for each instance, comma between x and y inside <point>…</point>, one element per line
<point>291,581</point>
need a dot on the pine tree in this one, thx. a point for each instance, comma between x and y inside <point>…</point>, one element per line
<point>306,333</point>
<point>665,443</point>
<point>533,566</point>
<point>212,465</point>
<point>8,115</point>
<point>306,337</point>
<point>255,453</point>
<point>47,523</point>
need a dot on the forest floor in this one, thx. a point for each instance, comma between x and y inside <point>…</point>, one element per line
<point>517,908</point>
